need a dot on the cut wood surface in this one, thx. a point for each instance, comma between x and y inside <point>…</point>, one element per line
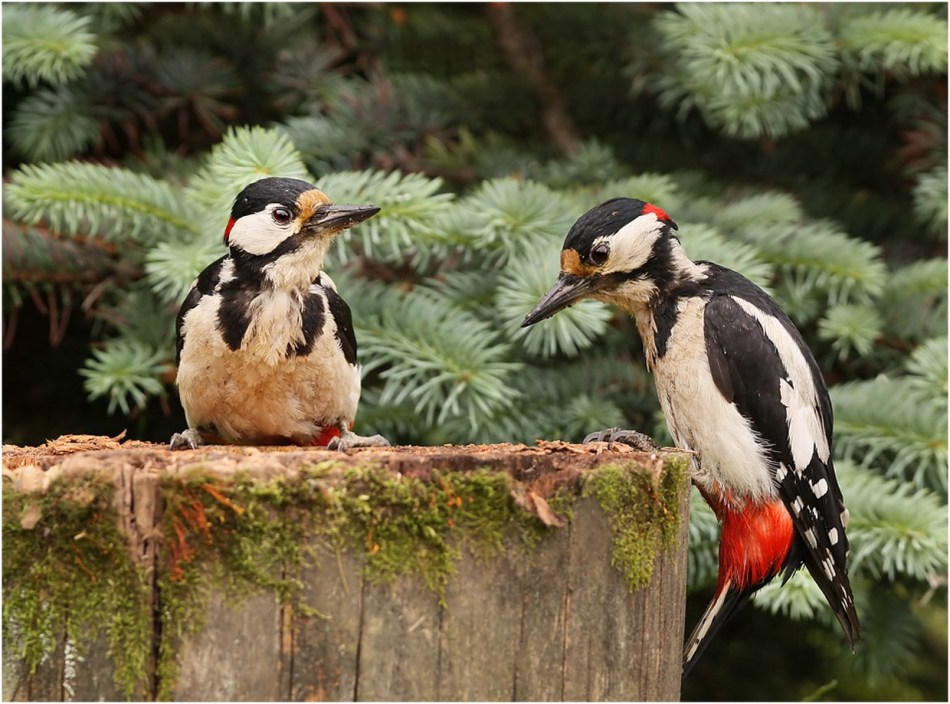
<point>551,621</point>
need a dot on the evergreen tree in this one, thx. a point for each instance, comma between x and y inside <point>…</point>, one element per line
<point>802,145</point>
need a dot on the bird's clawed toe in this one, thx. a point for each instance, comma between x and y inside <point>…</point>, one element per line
<point>187,440</point>
<point>633,438</point>
<point>349,440</point>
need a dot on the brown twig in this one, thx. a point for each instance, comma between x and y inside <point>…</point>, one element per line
<point>526,59</point>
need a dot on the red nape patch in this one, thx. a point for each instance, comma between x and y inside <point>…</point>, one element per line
<point>227,230</point>
<point>660,214</point>
<point>755,541</point>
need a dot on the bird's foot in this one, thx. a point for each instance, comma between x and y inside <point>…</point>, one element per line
<point>188,440</point>
<point>348,440</point>
<point>633,438</point>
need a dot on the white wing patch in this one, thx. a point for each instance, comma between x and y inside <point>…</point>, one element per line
<point>806,431</point>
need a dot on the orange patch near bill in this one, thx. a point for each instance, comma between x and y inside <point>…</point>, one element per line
<point>571,264</point>
<point>309,201</point>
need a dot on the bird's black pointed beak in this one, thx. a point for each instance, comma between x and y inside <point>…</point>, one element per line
<point>337,218</point>
<point>567,290</point>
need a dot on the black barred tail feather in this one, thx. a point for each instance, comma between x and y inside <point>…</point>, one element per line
<point>727,602</point>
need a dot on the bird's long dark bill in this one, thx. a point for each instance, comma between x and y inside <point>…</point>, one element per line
<point>340,217</point>
<point>567,290</point>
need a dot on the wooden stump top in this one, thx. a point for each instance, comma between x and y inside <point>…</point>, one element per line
<point>553,621</point>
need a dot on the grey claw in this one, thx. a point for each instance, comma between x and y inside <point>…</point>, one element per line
<point>187,440</point>
<point>348,440</point>
<point>633,438</point>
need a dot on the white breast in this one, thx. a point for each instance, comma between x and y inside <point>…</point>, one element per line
<point>699,418</point>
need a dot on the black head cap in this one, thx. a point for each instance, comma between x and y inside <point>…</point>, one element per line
<point>607,218</point>
<point>273,189</point>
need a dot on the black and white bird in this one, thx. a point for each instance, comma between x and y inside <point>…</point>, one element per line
<point>739,388</point>
<point>266,351</point>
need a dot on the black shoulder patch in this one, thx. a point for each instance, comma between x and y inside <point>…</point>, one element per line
<point>747,368</point>
<point>726,281</point>
<point>344,324</point>
<point>313,322</point>
<point>234,312</point>
<point>204,286</point>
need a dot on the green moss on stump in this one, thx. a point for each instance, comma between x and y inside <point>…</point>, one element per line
<point>65,561</point>
<point>643,512</point>
<point>248,534</point>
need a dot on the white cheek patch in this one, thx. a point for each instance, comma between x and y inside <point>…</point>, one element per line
<point>632,245</point>
<point>258,233</point>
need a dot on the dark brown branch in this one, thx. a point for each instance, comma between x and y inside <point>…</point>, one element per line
<point>526,59</point>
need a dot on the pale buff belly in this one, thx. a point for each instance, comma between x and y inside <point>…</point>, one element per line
<point>252,395</point>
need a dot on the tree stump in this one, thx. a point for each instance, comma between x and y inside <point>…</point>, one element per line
<point>500,572</point>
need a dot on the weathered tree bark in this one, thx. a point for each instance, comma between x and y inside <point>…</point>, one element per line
<point>553,621</point>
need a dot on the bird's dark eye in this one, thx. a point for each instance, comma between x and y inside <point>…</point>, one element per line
<point>598,255</point>
<point>281,216</point>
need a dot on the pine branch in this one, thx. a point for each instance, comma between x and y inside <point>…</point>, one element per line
<point>882,423</point>
<point>88,199</point>
<point>245,155</point>
<point>446,365</point>
<point>594,386</point>
<point>126,371</point>
<point>901,42</point>
<point>853,329</point>
<point>52,125</point>
<point>927,369</point>
<point>914,301</point>
<point>507,218</point>
<point>930,202</point>
<point>45,43</point>
<point>523,281</point>
<point>590,163</point>
<point>34,256</point>
<point>138,316</point>
<point>171,267</point>
<point>324,143</point>
<point>660,189</point>
<point>821,258</point>
<point>751,70</point>
<point>406,227</point>
<point>798,599</point>
<point>896,530</point>
<point>705,243</point>
<point>890,633</point>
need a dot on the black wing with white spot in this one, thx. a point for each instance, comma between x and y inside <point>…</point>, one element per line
<point>760,363</point>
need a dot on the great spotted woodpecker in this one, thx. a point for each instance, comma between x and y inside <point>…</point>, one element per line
<point>266,352</point>
<point>739,388</point>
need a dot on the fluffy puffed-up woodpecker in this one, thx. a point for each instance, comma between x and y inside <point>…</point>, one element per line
<point>266,351</point>
<point>739,388</point>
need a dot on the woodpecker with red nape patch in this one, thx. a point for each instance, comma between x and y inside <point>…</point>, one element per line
<point>739,388</point>
<point>266,351</point>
